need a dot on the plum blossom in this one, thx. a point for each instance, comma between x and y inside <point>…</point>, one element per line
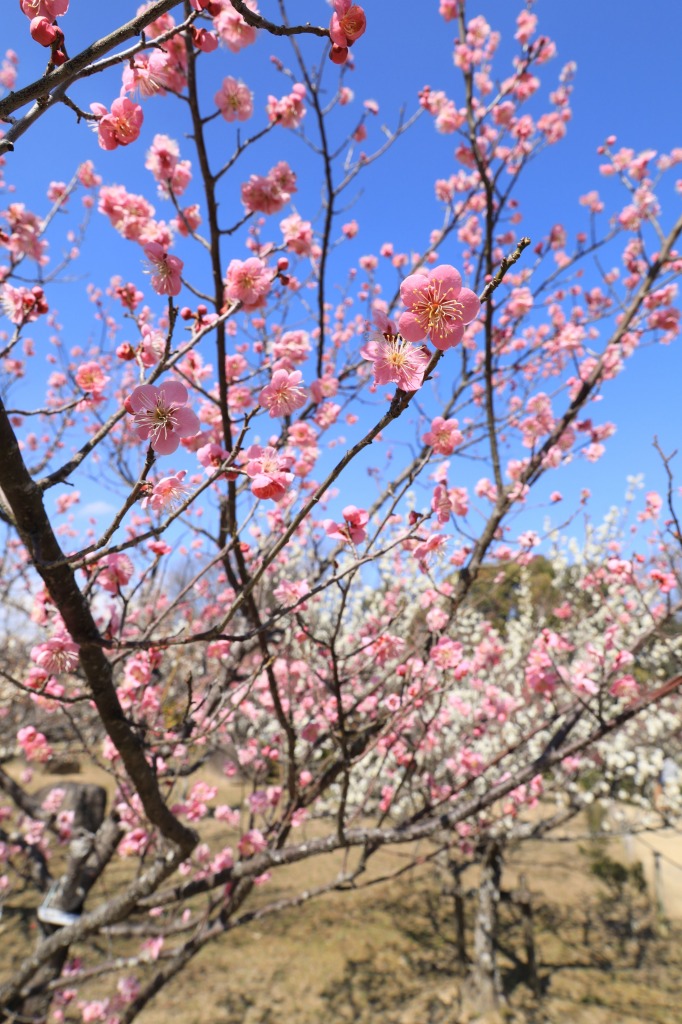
<point>395,360</point>
<point>289,110</point>
<point>234,100</point>
<point>149,74</point>
<point>233,30</point>
<point>438,306</point>
<point>58,654</point>
<point>248,282</point>
<point>284,393</point>
<point>167,493</point>
<point>121,125</point>
<point>167,280</point>
<point>44,8</point>
<point>91,377</point>
<point>444,435</point>
<point>298,234</point>
<point>160,414</point>
<point>270,193</point>
<point>117,570</point>
<point>34,744</point>
<point>23,305</point>
<point>352,529</point>
<point>268,470</point>
<point>348,24</point>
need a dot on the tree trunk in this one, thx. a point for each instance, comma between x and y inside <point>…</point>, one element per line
<point>482,995</point>
<point>89,855</point>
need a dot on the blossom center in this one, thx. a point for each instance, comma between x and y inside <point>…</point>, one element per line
<point>436,313</point>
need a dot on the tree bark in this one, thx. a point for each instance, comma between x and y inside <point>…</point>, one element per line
<point>482,995</point>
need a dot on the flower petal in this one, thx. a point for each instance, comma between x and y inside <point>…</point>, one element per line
<point>144,398</point>
<point>470,303</point>
<point>447,276</point>
<point>409,326</point>
<point>172,392</point>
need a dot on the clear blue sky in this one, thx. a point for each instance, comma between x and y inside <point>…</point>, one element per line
<point>627,85</point>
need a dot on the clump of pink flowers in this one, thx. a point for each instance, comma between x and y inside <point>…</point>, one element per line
<point>269,472</point>
<point>119,126</point>
<point>438,307</point>
<point>161,416</point>
<point>348,24</point>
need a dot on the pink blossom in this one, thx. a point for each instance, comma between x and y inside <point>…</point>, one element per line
<point>121,125</point>
<point>129,213</point>
<point>248,281</point>
<point>289,110</point>
<point>117,570</point>
<point>252,842</point>
<point>298,234</point>
<point>211,457</point>
<point>444,435</point>
<point>348,24</point>
<point>44,8</point>
<point>151,74</point>
<point>91,377</point>
<point>23,305</point>
<point>58,654</point>
<point>268,470</point>
<point>204,40</point>
<point>160,414</point>
<point>324,387</point>
<point>187,221</point>
<point>167,493</point>
<point>233,30</point>
<point>26,229</point>
<point>437,306</point>
<point>270,193</point>
<point>352,529</point>
<point>34,744</point>
<point>234,100</point>
<point>163,161</point>
<point>152,346</point>
<point>167,280</point>
<point>448,9</point>
<point>396,361</point>
<point>284,393</point>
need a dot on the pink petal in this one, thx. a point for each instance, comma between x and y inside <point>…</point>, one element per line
<point>447,276</point>
<point>144,398</point>
<point>412,289</point>
<point>172,392</point>
<point>470,303</point>
<point>409,326</point>
<point>187,423</point>
<point>166,443</point>
<point>449,340</point>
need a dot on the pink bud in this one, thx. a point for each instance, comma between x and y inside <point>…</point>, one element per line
<point>125,351</point>
<point>44,32</point>
<point>338,54</point>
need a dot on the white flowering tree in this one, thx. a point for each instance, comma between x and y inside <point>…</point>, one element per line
<point>268,587</point>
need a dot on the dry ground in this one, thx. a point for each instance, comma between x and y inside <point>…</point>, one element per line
<point>386,954</point>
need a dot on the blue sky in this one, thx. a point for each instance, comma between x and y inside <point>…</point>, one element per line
<point>625,86</point>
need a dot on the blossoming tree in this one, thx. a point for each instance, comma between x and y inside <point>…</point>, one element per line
<point>247,602</point>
